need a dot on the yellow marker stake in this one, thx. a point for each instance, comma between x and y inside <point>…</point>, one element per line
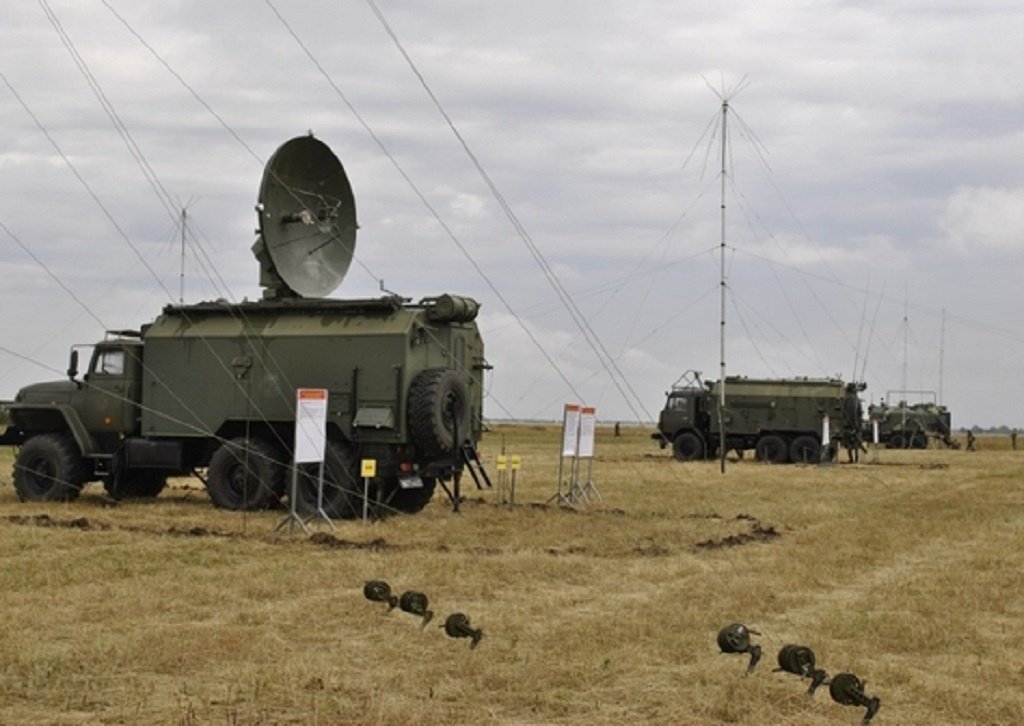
<point>517,461</point>
<point>369,470</point>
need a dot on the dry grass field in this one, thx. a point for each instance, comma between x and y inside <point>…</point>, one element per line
<point>905,572</point>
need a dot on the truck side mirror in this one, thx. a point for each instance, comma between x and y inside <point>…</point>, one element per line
<point>73,365</point>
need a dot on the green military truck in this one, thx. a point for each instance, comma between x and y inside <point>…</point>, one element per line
<point>782,419</point>
<point>210,388</point>
<point>910,426</point>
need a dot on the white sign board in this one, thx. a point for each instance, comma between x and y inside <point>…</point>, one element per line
<point>570,429</point>
<point>310,424</point>
<point>588,420</point>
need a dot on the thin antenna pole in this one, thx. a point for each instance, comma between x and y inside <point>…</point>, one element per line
<point>906,336</point>
<point>181,286</point>
<point>860,331</point>
<point>721,342</point>
<point>942,350</point>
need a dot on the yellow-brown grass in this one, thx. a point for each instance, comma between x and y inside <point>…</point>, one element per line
<point>904,572</point>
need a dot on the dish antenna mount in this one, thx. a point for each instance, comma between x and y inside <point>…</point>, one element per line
<point>307,221</point>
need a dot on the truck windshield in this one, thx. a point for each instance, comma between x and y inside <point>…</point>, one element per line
<point>109,362</point>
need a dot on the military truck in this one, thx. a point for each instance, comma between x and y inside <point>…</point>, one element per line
<point>210,388</point>
<point>780,419</point>
<point>911,426</point>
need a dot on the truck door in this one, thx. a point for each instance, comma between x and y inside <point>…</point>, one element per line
<point>110,393</point>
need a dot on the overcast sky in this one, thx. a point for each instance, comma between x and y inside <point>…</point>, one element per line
<point>874,205</point>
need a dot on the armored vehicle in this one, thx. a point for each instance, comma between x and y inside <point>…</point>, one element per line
<point>210,388</point>
<point>780,419</point>
<point>911,426</point>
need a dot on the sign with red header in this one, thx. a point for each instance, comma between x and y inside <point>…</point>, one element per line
<point>570,429</point>
<point>310,424</point>
<point>588,422</point>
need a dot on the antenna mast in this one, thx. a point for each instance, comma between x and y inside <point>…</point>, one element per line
<point>721,341</point>
<point>906,335</point>
<point>181,279</point>
<point>942,350</point>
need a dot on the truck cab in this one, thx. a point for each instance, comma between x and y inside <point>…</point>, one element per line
<point>85,420</point>
<point>108,396</point>
<point>684,421</point>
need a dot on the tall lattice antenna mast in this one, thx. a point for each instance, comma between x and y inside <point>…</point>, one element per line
<point>724,96</point>
<point>721,284</point>
<point>942,351</point>
<point>181,276</point>
<point>906,336</point>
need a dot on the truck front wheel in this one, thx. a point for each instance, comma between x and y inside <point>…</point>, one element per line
<point>49,468</point>
<point>688,446</point>
<point>245,474</point>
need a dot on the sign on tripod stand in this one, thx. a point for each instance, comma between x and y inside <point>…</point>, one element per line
<point>578,427</point>
<point>310,442</point>
<point>570,440</point>
<point>585,450</point>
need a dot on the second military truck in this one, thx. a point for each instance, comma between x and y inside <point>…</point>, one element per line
<point>780,419</point>
<point>911,425</point>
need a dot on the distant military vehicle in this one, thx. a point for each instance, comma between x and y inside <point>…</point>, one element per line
<point>780,419</point>
<point>910,426</point>
<point>211,388</point>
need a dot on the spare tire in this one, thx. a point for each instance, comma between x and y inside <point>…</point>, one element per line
<point>438,405</point>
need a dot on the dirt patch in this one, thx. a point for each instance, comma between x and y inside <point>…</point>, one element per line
<point>86,524</point>
<point>570,550</point>
<point>45,520</point>
<point>650,549</point>
<point>758,533</point>
<point>325,539</point>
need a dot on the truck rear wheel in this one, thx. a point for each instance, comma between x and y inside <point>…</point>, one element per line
<point>245,474</point>
<point>772,449</point>
<point>805,450</point>
<point>49,468</point>
<point>688,446</point>
<point>438,401</point>
<point>410,501</point>
<point>343,489</point>
<point>919,440</point>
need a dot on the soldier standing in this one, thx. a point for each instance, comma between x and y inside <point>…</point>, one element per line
<point>970,440</point>
<point>853,445</point>
<point>1013,439</point>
